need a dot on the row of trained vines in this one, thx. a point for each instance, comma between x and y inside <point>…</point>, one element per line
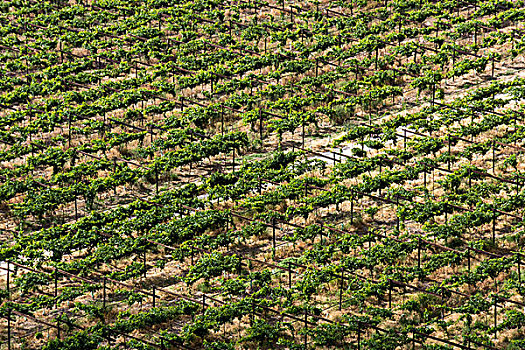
<point>260,174</point>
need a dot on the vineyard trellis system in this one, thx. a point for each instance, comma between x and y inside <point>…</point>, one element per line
<point>261,174</point>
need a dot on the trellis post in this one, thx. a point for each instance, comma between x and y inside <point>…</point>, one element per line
<point>273,235</point>
<point>449,153</point>
<point>233,158</point>
<point>358,335</point>
<point>69,131</point>
<point>289,275</point>
<point>156,180</point>
<point>9,328</point>
<point>493,157</point>
<point>260,124</point>
<point>495,316</point>
<point>8,282</point>
<point>519,269</point>
<point>104,293</point>
<point>341,288</point>
<point>56,286</point>
<point>493,225</point>
<point>351,207</point>
<point>145,269</point>
<point>397,216</point>
<point>302,121</point>
<point>419,253</point>
<point>389,293</point>
<point>58,328</point>
<point>305,327</point>
<point>468,259</point>
<point>222,120</point>
<point>154,296</point>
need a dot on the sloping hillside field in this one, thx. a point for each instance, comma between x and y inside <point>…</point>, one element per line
<point>251,174</point>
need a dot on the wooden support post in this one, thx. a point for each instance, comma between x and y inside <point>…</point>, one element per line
<point>114,172</point>
<point>222,120</point>
<point>352,208</point>
<point>260,124</point>
<point>341,288</point>
<point>69,131</point>
<point>104,293</point>
<point>495,316</point>
<point>419,253</point>
<point>389,293</point>
<point>289,275</point>
<point>76,208</point>
<point>8,281</point>
<point>493,225</point>
<point>273,235</point>
<point>468,259</point>
<point>154,296</point>
<point>9,328</point>
<point>104,123</point>
<point>233,159</point>
<point>358,335</point>
<point>515,128</point>
<point>145,267</point>
<point>305,189</point>
<point>370,108</point>
<point>302,121</point>
<point>305,327</point>
<point>156,180</point>
<point>380,172</point>
<point>56,286</point>
<point>253,310</point>
<point>519,270</point>
<point>397,216</point>
<point>449,152</point>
